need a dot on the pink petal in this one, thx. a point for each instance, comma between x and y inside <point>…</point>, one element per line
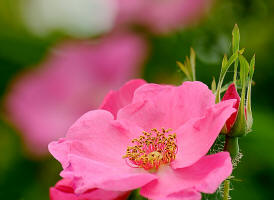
<point>232,93</point>
<point>195,138</point>
<point>115,100</point>
<point>97,136</point>
<point>204,176</point>
<point>91,154</point>
<point>157,106</point>
<point>56,194</point>
<point>187,194</point>
<point>63,190</point>
<point>88,174</point>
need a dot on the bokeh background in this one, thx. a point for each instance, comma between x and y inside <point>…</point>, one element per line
<point>32,45</point>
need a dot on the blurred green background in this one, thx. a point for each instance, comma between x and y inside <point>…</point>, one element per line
<point>22,178</point>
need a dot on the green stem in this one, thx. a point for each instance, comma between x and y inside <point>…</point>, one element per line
<point>226,189</point>
<point>232,146</point>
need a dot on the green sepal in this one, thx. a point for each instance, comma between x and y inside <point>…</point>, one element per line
<point>241,51</point>
<point>225,66</point>
<point>225,86</point>
<point>213,85</point>
<point>189,66</point>
<point>184,69</point>
<point>235,48</point>
<point>243,70</point>
<point>249,117</point>
<point>235,38</point>
<point>193,63</point>
<point>240,126</point>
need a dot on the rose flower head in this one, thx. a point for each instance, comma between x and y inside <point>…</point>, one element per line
<point>148,136</point>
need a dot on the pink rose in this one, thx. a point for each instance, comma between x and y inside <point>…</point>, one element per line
<point>63,190</point>
<point>148,136</point>
<point>73,79</point>
<point>162,15</point>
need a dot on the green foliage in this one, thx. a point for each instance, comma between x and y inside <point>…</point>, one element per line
<point>135,195</point>
<point>218,195</point>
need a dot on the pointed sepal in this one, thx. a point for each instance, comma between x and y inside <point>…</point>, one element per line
<point>240,126</point>
<point>249,117</point>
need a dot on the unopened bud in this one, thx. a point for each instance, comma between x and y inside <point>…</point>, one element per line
<point>240,126</point>
<point>231,93</point>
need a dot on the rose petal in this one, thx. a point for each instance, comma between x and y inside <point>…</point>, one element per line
<point>157,106</point>
<point>97,136</point>
<point>115,100</point>
<point>204,176</point>
<point>92,154</point>
<point>63,190</point>
<point>188,194</point>
<point>87,174</point>
<point>195,138</point>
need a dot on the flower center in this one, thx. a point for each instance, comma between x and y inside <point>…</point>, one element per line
<point>152,149</point>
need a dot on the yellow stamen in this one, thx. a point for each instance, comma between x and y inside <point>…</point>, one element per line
<point>152,149</point>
